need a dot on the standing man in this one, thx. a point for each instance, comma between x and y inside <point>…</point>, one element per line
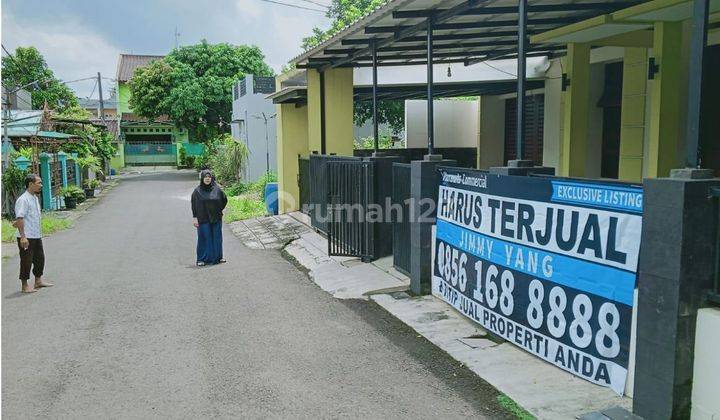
<point>29,234</point>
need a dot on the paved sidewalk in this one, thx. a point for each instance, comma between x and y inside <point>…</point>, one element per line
<point>270,232</point>
<point>541,388</point>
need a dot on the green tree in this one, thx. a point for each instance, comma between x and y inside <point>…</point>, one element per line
<point>94,141</point>
<point>28,68</point>
<point>193,85</point>
<point>344,13</point>
<point>391,113</point>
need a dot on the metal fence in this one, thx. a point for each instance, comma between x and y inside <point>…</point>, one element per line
<point>401,227</point>
<point>304,183</point>
<point>350,191</point>
<point>56,182</point>
<point>714,295</point>
<point>150,153</point>
<point>70,165</point>
<point>318,208</point>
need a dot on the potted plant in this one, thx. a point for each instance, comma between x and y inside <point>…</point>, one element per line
<point>90,186</point>
<point>80,195</point>
<point>70,193</point>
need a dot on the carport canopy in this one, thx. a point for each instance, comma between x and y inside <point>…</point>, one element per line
<point>396,92</point>
<point>463,31</point>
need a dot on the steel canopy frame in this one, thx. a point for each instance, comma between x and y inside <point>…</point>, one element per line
<point>376,41</point>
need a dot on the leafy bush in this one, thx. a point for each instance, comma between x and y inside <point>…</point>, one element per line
<point>26,152</point>
<point>228,159</point>
<point>235,189</point>
<point>186,161</point>
<point>80,196</point>
<point>241,208</point>
<point>385,142</point>
<point>71,191</point>
<point>92,183</point>
<point>258,186</point>
<point>91,163</point>
<point>13,180</point>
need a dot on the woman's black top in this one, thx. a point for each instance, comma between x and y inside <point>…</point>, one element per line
<point>208,202</point>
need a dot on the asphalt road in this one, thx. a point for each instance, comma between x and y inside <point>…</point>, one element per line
<point>132,329</point>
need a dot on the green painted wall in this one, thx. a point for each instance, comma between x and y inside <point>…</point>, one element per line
<point>123,94</point>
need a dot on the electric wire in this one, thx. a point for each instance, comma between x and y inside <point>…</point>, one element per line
<point>294,5</point>
<point>327,6</point>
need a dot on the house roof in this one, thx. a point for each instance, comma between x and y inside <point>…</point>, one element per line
<point>110,103</point>
<point>128,63</point>
<point>110,124</point>
<point>465,31</point>
<point>28,124</point>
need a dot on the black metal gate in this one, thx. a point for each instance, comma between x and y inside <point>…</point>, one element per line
<point>318,181</point>
<point>351,189</point>
<point>401,227</point>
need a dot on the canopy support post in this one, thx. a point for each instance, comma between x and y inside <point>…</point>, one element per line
<point>521,82</point>
<point>375,95</point>
<point>430,113</point>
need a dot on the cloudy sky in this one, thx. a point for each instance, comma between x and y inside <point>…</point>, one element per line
<point>80,37</point>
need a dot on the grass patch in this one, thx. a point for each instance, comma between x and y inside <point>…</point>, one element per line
<point>513,407</point>
<point>8,231</point>
<point>50,225</point>
<point>243,207</point>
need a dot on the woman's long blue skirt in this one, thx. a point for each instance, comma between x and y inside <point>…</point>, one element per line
<point>209,243</point>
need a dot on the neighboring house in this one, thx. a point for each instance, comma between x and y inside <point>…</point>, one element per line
<point>21,100</point>
<point>143,142</point>
<point>254,124</point>
<point>93,106</point>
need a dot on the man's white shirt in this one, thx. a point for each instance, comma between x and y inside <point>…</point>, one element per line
<point>27,207</point>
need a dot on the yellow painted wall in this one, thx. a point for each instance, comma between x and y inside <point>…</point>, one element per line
<point>666,106</point>
<point>632,120</point>
<point>292,140</point>
<point>313,110</point>
<point>575,117</point>
<point>338,111</point>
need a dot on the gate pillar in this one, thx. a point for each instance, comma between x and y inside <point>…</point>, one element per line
<point>46,175</point>
<point>677,263</point>
<point>423,205</point>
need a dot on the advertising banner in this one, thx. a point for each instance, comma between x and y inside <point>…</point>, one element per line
<point>549,264</point>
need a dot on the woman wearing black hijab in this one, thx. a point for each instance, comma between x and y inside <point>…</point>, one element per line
<point>208,202</point>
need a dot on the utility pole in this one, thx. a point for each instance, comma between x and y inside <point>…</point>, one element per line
<point>267,140</point>
<point>102,117</point>
<point>177,35</point>
<point>6,120</point>
<point>102,105</point>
